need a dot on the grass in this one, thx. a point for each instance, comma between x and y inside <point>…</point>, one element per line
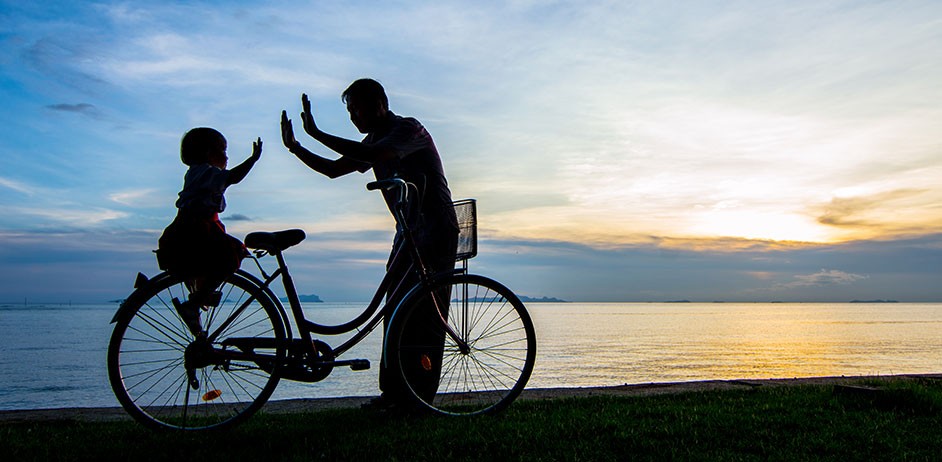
<point>899,421</point>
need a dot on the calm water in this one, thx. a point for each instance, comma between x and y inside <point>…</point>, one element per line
<point>54,356</point>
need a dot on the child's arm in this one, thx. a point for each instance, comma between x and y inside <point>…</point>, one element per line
<point>237,173</point>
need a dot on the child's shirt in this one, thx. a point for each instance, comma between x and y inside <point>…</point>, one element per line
<point>203,189</point>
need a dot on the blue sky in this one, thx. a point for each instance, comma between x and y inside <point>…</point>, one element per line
<point>657,150</point>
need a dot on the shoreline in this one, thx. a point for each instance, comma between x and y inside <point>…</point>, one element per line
<point>302,405</point>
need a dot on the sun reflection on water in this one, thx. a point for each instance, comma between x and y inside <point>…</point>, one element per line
<point>616,343</point>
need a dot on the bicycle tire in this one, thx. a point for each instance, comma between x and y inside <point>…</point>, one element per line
<point>483,379</point>
<point>146,356</point>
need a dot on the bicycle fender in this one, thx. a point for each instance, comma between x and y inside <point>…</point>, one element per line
<point>140,284</point>
<point>143,285</point>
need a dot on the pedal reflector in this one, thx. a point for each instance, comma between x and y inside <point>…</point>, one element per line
<point>426,363</point>
<point>211,395</point>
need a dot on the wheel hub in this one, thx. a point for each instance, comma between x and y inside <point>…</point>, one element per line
<point>198,354</point>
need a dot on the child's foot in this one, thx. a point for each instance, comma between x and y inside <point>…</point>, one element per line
<point>206,299</point>
<point>189,312</point>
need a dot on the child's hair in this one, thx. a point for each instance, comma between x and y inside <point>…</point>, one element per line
<point>196,144</point>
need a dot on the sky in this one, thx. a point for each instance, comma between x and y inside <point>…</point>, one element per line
<point>619,151</point>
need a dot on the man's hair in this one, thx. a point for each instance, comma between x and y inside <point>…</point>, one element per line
<point>365,90</point>
<point>196,144</point>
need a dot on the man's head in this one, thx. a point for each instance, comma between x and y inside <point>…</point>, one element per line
<point>367,104</point>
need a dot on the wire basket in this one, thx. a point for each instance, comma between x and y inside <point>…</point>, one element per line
<point>467,214</point>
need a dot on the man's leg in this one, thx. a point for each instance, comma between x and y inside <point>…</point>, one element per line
<point>426,330</point>
<point>390,383</point>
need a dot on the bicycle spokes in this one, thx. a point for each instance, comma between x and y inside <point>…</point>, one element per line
<point>478,361</point>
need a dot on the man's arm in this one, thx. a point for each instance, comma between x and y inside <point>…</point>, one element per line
<point>354,149</point>
<point>327,167</point>
<point>348,148</point>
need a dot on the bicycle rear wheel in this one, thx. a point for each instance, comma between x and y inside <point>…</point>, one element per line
<point>481,373</point>
<point>153,358</point>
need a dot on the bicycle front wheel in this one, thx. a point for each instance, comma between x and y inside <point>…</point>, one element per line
<point>479,363</point>
<point>166,378</point>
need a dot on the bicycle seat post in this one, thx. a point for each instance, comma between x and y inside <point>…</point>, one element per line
<point>292,293</point>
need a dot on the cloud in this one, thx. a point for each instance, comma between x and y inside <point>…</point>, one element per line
<point>85,109</point>
<point>823,278</point>
<point>16,186</point>
<point>897,211</point>
<point>62,60</point>
<point>63,216</point>
<point>237,217</point>
<point>137,198</point>
<point>847,211</point>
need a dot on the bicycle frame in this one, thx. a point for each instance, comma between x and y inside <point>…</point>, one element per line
<point>371,317</point>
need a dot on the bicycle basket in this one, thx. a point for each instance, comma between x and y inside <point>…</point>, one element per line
<point>466,211</point>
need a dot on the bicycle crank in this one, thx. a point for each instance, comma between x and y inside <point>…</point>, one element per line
<point>198,355</point>
<point>191,378</point>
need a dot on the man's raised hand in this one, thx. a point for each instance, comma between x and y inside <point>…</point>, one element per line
<point>287,132</point>
<point>307,117</point>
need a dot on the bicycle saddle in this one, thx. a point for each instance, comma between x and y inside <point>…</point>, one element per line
<point>274,242</point>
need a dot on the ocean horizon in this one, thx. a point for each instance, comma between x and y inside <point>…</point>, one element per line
<point>30,304</point>
<point>53,354</point>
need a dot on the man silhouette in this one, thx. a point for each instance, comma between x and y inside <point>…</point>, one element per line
<point>394,146</point>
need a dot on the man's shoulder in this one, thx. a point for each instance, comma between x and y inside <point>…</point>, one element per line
<point>405,120</point>
<point>408,128</point>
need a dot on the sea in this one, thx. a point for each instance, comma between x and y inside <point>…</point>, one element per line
<point>53,356</point>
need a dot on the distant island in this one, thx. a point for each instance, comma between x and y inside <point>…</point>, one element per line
<point>524,298</point>
<point>874,301</point>
<point>310,298</point>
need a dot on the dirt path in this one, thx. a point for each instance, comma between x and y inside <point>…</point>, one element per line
<point>318,404</point>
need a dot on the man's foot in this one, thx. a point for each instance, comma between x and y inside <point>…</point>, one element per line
<point>381,402</point>
<point>206,299</point>
<point>189,312</point>
<point>386,405</point>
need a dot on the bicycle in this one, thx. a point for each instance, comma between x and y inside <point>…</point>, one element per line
<point>166,377</point>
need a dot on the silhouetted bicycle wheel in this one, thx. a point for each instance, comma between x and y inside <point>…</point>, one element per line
<point>486,370</point>
<point>154,360</point>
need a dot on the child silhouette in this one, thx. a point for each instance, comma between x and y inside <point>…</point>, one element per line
<point>195,245</point>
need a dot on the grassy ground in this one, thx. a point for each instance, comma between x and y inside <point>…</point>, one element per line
<point>898,421</point>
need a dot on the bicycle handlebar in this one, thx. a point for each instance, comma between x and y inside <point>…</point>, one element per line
<point>391,183</point>
<point>386,184</point>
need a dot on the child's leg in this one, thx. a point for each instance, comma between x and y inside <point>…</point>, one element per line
<point>223,257</point>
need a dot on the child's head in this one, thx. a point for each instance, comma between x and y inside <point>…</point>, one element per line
<point>203,145</point>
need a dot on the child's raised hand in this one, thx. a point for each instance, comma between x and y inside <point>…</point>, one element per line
<point>239,172</point>
<point>257,148</point>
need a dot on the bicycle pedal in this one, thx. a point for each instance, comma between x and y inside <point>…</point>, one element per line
<point>192,380</point>
<point>359,364</point>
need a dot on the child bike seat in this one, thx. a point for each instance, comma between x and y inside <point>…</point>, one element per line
<point>274,242</point>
